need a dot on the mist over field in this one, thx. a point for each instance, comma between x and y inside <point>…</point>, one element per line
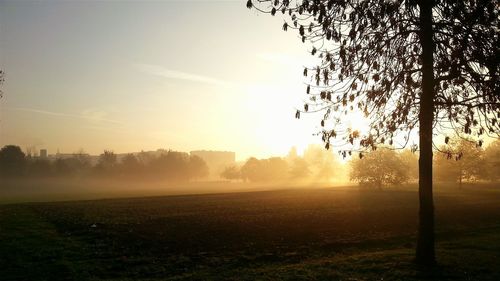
<point>26,177</point>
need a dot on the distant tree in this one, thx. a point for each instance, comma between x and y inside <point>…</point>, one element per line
<point>410,160</point>
<point>460,161</point>
<point>40,168</point>
<point>252,170</point>
<point>12,161</point>
<point>144,157</point>
<point>30,151</point>
<point>198,168</point>
<point>62,167</point>
<point>107,163</point>
<point>231,173</point>
<point>81,160</point>
<point>491,162</point>
<point>322,163</point>
<point>170,165</point>
<point>277,167</point>
<point>274,169</point>
<point>405,64</point>
<point>130,166</point>
<point>299,169</point>
<point>292,154</point>
<point>76,165</point>
<point>379,168</point>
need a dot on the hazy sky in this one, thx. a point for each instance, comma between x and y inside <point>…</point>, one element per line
<point>132,75</point>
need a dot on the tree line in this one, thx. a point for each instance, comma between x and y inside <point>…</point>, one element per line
<point>315,165</point>
<point>459,160</point>
<point>168,165</point>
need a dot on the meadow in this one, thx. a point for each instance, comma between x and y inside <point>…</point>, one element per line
<point>291,234</point>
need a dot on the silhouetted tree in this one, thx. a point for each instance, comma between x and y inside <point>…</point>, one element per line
<point>405,64</point>
<point>379,168</point>
<point>107,163</point>
<point>274,169</point>
<point>231,173</point>
<point>197,167</point>
<point>299,169</point>
<point>77,164</point>
<point>251,170</point>
<point>40,168</point>
<point>170,165</point>
<point>12,161</point>
<point>130,166</point>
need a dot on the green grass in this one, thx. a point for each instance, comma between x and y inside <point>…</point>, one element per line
<point>279,235</point>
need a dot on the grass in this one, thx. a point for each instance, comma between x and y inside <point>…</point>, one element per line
<point>320,234</point>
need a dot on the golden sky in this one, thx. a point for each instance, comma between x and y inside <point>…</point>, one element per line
<point>133,76</point>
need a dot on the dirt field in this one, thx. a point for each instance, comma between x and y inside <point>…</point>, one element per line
<point>318,234</point>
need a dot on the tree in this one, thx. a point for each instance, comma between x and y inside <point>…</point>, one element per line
<point>404,64</point>
<point>130,166</point>
<point>410,161</point>
<point>106,163</point>
<point>75,165</point>
<point>379,168</point>
<point>461,161</point>
<point>197,167</point>
<point>273,169</point>
<point>322,163</point>
<point>12,161</point>
<point>231,173</point>
<point>491,162</point>
<point>299,169</point>
<point>39,168</point>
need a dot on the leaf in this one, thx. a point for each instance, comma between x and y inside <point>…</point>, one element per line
<point>249,4</point>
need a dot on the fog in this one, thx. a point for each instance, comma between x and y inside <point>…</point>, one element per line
<point>27,177</point>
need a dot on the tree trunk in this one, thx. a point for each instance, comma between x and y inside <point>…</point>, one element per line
<point>425,254</point>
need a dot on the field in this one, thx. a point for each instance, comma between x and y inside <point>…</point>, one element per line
<point>299,234</point>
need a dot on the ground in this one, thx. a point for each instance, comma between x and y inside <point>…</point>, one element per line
<point>300,234</point>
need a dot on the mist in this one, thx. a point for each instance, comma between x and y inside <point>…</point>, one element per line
<point>29,176</point>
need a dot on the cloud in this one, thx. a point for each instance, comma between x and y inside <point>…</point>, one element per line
<point>175,74</point>
<point>90,114</point>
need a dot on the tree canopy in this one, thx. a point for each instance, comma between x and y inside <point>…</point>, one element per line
<point>371,60</point>
<point>461,160</point>
<point>380,168</point>
<point>12,161</point>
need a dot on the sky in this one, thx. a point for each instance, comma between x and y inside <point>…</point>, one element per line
<point>132,76</point>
